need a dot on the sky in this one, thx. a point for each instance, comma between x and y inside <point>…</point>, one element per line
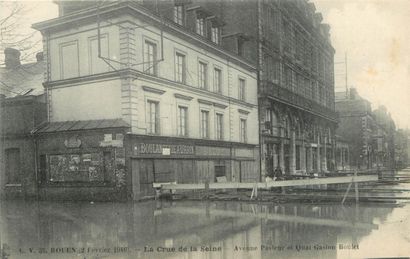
<point>374,35</point>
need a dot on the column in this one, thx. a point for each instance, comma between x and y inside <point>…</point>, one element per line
<point>324,157</point>
<point>341,158</point>
<point>318,155</point>
<point>309,159</point>
<point>263,159</point>
<point>303,157</point>
<point>282,156</point>
<point>274,157</point>
<point>292,166</point>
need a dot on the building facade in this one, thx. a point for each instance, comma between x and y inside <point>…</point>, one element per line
<point>402,148</point>
<point>22,109</point>
<point>188,108</point>
<point>370,134</point>
<point>291,46</point>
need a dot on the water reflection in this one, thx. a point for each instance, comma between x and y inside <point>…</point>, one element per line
<point>160,229</point>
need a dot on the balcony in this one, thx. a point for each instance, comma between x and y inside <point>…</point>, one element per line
<point>272,90</point>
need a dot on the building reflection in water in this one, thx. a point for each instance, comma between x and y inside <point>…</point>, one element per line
<point>232,229</point>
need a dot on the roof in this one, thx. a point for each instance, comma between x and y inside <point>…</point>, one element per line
<point>61,126</point>
<point>23,80</point>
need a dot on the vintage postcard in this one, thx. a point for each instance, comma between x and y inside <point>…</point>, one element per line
<point>205,129</point>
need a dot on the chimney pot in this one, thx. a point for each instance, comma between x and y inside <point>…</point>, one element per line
<point>12,57</point>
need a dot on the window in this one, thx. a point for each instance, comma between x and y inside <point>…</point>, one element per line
<point>203,74</point>
<point>12,165</point>
<point>288,78</point>
<point>217,80</point>
<point>153,117</point>
<point>219,126</point>
<point>69,60</point>
<point>241,87</point>
<point>243,137</point>
<point>97,64</point>
<point>215,34</point>
<point>204,124</point>
<point>150,58</point>
<point>268,120</point>
<point>182,121</point>
<point>180,67</point>
<point>179,14</point>
<point>200,26</point>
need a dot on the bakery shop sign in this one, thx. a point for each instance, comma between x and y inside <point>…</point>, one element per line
<point>163,149</point>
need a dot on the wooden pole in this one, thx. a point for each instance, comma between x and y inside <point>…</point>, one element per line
<point>356,189</point>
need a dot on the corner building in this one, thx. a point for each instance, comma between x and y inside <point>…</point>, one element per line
<point>187,108</point>
<point>290,45</point>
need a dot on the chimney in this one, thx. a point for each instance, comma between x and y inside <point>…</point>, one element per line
<point>40,56</point>
<point>12,57</point>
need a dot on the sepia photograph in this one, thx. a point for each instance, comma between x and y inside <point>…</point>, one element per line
<point>209,129</point>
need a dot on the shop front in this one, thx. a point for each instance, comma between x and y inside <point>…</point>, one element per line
<point>76,162</point>
<point>156,159</point>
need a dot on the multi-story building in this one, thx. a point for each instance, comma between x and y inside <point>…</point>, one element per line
<point>356,127</point>
<point>291,46</point>
<point>181,108</point>
<point>402,148</point>
<point>370,134</point>
<point>384,138</point>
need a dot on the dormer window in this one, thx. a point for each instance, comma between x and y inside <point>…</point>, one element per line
<point>200,26</point>
<point>215,34</point>
<point>179,14</point>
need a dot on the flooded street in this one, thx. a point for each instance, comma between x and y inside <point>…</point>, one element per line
<point>190,229</point>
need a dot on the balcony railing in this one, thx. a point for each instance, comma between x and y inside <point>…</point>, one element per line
<point>270,89</point>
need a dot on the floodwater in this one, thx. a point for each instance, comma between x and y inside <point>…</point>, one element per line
<point>190,229</point>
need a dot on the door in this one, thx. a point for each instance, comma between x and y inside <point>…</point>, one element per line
<point>146,176</point>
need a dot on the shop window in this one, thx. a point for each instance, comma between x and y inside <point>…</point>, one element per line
<point>220,169</point>
<point>87,167</point>
<point>12,165</point>
<point>298,161</point>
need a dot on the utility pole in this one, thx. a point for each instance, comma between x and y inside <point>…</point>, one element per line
<point>346,85</point>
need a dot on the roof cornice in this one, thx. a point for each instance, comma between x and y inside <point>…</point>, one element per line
<point>90,13</point>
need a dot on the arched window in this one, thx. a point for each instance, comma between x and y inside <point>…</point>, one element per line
<point>298,128</point>
<point>271,122</point>
<point>286,127</point>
